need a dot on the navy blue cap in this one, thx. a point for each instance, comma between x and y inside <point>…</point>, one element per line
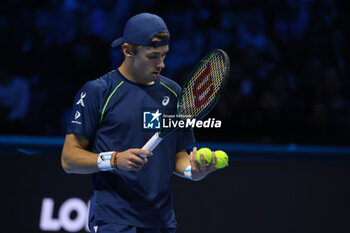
<point>141,28</point>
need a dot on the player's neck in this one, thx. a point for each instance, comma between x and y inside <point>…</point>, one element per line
<point>125,70</point>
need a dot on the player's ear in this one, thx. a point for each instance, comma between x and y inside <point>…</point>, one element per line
<point>127,50</point>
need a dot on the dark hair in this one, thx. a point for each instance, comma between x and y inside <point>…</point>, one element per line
<point>161,36</point>
<point>158,37</point>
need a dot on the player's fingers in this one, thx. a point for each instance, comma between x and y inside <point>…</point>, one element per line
<point>191,159</point>
<point>202,167</point>
<point>193,162</point>
<point>213,162</point>
<point>141,151</point>
<point>137,160</point>
<point>135,167</point>
<point>194,153</point>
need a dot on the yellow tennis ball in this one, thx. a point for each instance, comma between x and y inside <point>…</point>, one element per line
<point>221,159</point>
<point>208,155</point>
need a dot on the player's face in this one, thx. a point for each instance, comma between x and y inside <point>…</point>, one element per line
<point>148,62</point>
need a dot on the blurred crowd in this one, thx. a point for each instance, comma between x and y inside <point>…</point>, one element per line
<point>289,62</point>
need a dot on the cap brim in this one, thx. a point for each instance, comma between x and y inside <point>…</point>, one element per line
<point>117,42</point>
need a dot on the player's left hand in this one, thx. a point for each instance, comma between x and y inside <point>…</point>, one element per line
<point>199,171</point>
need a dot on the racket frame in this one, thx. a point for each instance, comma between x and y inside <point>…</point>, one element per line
<point>219,92</point>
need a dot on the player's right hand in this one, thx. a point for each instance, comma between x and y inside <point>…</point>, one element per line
<point>130,160</point>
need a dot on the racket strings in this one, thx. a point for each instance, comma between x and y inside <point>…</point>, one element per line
<point>203,87</point>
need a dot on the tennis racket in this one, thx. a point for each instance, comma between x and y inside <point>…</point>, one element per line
<point>200,93</point>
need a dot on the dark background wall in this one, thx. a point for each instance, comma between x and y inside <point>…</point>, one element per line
<point>274,190</point>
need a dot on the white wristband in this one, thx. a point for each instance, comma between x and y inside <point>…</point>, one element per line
<point>188,173</point>
<point>104,161</point>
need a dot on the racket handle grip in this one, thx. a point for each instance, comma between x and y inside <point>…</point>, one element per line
<point>151,144</point>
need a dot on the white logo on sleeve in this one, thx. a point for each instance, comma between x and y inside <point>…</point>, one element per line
<point>81,100</point>
<point>77,115</point>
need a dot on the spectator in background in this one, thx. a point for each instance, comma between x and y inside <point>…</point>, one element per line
<point>297,38</point>
<point>14,100</point>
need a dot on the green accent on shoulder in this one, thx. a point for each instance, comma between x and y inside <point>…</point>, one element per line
<point>109,97</point>
<point>169,89</point>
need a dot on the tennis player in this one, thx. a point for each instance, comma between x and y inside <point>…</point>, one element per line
<point>106,132</point>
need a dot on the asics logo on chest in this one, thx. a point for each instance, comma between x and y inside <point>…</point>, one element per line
<point>165,101</point>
